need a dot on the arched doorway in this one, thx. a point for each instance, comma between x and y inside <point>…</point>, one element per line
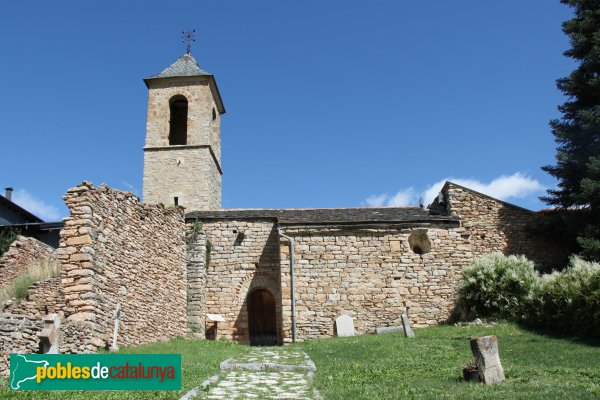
<point>262,321</point>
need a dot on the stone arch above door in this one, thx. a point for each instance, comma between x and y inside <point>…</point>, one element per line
<point>252,282</point>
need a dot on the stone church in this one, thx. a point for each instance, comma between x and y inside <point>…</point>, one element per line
<point>277,275</point>
<point>179,263</point>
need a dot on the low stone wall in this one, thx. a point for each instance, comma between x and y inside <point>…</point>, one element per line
<point>116,250</point>
<point>21,320</point>
<point>43,297</point>
<point>494,225</point>
<point>371,275</point>
<point>18,334</point>
<point>75,337</point>
<point>22,252</point>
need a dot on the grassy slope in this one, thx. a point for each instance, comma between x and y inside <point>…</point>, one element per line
<point>430,366</point>
<point>200,359</point>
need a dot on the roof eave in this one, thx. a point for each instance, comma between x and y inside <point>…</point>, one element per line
<point>211,78</point>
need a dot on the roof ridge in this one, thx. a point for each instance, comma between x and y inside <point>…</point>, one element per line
<point>315,208</point>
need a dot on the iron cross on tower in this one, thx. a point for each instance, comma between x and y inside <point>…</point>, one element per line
<point>188,37</point>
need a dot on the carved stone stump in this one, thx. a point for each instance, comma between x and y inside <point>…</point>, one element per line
<point>485,350</point>
<point>50,334</point>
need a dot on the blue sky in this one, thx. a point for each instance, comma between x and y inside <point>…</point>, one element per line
<point>329,104</point>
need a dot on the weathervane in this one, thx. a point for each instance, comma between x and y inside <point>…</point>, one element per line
<point>188,37</point>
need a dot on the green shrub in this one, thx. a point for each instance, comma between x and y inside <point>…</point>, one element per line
<point>21,285</point>
<point>208,252</point>
<point>568,301</point>
<point>7,236</point>
<point>497,286</point>
<point>507,287</point>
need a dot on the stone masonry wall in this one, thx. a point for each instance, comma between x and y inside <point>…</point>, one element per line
<point>18,334</point>
<point>498,226</point>
<point>21,320</point>
<point>371,275</point>
<point>43,297</point>
<point>22,252</point>
<point>200,100</point>
<point>244,257</point>
<point>190,172</point>
<point>115,250</point>
<point>186,172</point>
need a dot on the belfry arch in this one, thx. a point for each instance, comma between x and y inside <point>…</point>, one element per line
<point>178,120</point>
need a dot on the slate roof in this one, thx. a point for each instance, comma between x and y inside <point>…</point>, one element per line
<point>186,65</point>
<point>291,216</point>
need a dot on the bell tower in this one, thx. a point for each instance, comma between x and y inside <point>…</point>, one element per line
<point>182,154</point>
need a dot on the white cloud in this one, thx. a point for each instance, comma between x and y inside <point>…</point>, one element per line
<point>406,197</point>
<point>35,206</point>
<point>376,201</point>
<point>517,185</point>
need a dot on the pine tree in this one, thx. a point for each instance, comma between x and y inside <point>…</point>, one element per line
<point>577,132</point>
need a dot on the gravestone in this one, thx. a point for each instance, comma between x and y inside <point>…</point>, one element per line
<point>344,325</point>
<point>485,350</point>
<point>407,328</point>
<point>389,329</point>
<point>117,315</point>
<point>50,334</point>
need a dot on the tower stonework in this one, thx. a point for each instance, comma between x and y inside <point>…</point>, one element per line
<point>182,153</point>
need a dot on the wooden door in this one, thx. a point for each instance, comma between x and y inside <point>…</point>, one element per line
<point>262,321</point>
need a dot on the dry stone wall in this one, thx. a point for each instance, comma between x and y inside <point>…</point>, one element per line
<point>22,252</point>
<point>112,250</point>
<point>21,320</point>
<point>244,256</point>
<point>498,226</point>
<point>18,334</point>
<point>371,275</point>
<point>42,298</point>
<point>115,250</point>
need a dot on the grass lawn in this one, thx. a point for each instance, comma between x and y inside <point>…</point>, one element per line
<point>430,366</point>
<point>200,359</point>
<point>393,367</point>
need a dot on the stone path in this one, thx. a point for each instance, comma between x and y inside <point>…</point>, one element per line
<point>264,373</point>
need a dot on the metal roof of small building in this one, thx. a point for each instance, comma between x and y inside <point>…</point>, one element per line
<point>186,65</point>
<point>363,215</point>
<point>27,217</point>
